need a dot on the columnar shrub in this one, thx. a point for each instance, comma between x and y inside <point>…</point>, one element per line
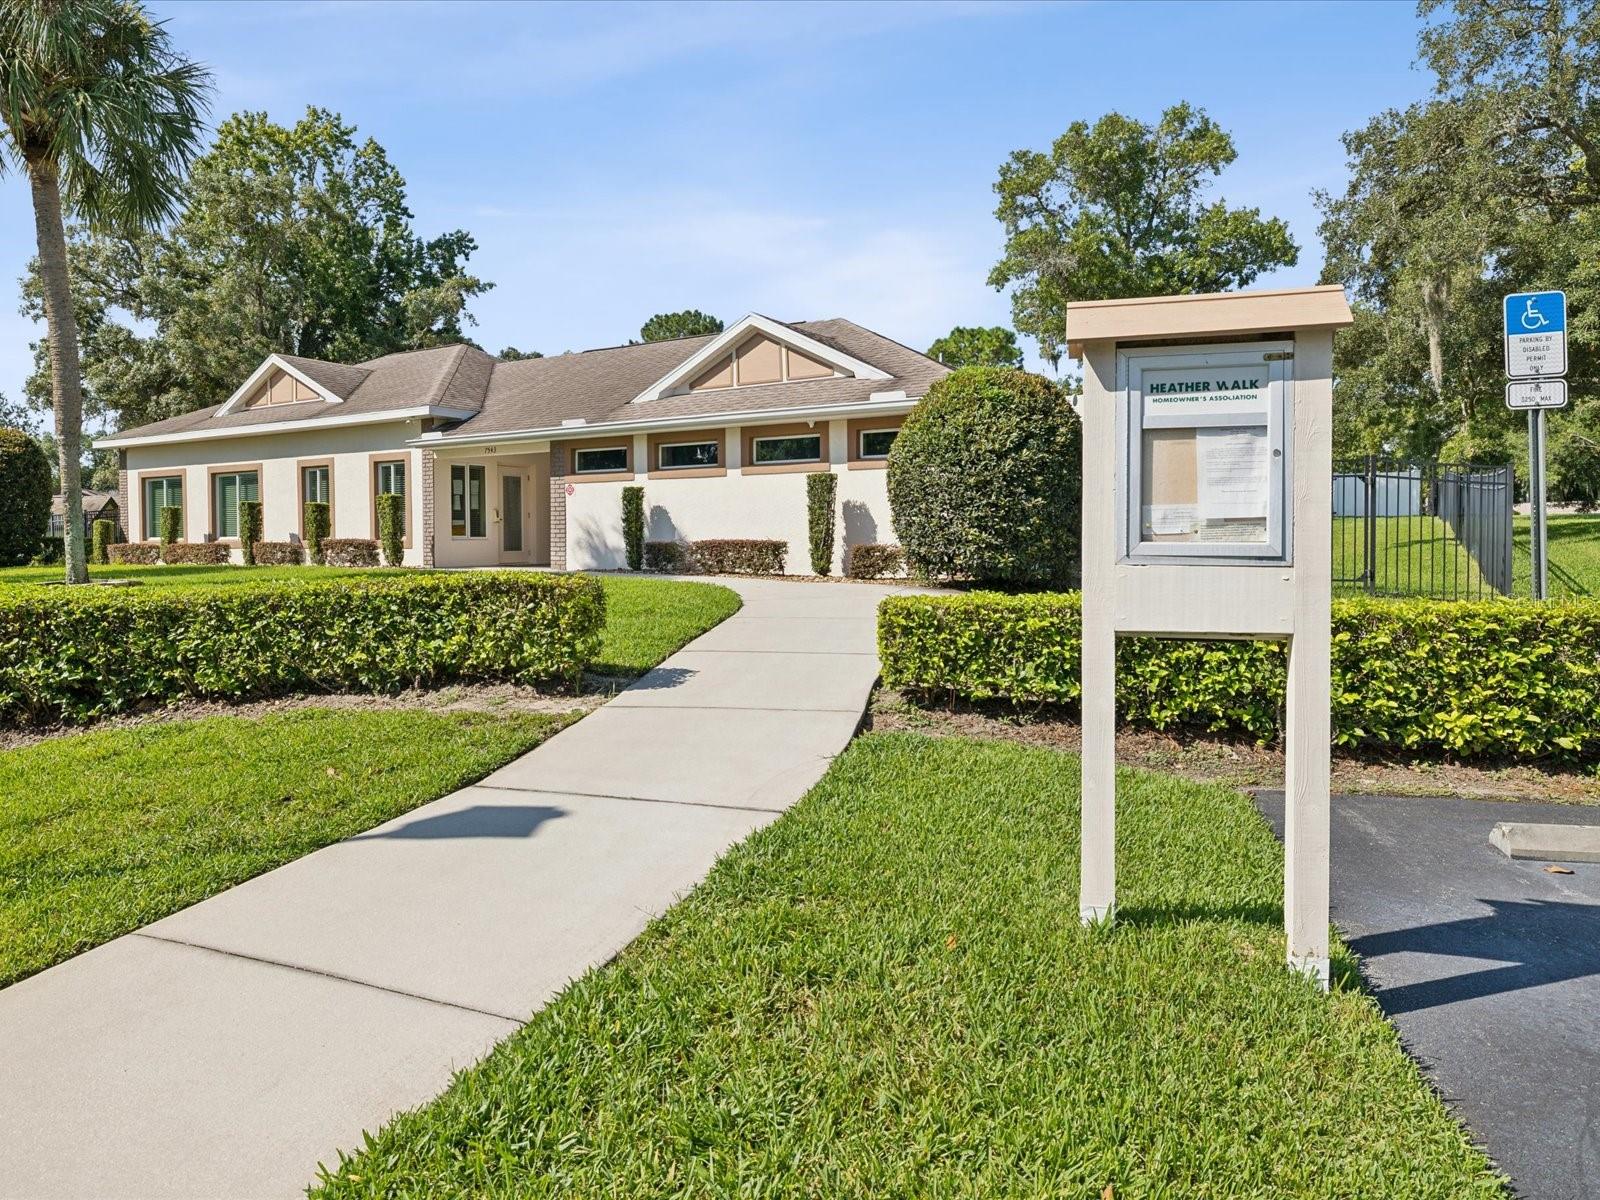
<point>249,529</point>
<point>739,556</point>
<point>277,554</point>
<point>24,497</point>
<point>821,489</point>
<point>359,634</point>
<point>318,519</point>
<point>633,525</point>
<point>350,552</point>
<point>171,524</point>
<point>105,532</point>
<point>1512,678</point>
<point>392,527</point>
<point>871,560</point>
<point>673,557</point>
<point>194,553</point>
<point>985,479</point>
<point>134,553</point>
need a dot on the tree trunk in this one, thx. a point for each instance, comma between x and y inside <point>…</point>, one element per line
<point>1435,303</point>
<point>66,381</point>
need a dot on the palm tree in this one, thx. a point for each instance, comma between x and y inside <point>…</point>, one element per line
<point>102,114</point>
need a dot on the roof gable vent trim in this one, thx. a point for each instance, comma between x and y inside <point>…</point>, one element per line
<point>271,362</point>
<point>681,376</point>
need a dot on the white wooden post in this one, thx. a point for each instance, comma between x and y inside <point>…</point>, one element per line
<point>1097,875</point>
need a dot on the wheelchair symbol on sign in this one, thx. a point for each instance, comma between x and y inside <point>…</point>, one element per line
<point>1532,318</point>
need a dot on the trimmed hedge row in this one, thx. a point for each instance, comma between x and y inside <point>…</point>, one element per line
<point>1496,678</point>
<point>874,560</point>
<point>71,654</point>
<point>718,556</point>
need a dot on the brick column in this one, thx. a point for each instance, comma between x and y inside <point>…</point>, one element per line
<point>558,507</point>
<point>429,507</point>
<point>122,496</point>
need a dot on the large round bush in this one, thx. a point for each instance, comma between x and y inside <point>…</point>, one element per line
<point>24,497</point>
<point>986,480</point>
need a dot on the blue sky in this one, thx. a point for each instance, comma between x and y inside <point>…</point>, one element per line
<point>804,161</point>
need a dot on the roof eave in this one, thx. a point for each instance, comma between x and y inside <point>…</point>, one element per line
<point>879,402</point>
<point>211,435</point>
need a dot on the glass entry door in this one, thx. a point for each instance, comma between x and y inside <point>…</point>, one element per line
<point>511,514</point>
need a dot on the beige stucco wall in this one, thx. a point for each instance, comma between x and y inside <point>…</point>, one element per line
<point>278,454</point>
<point>735,505</point>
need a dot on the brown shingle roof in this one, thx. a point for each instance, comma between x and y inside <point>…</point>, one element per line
<point>540,393</point>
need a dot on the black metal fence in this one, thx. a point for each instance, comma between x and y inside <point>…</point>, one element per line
<point>1441,530</point>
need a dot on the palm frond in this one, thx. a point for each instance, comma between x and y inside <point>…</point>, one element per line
<point>94,90</point>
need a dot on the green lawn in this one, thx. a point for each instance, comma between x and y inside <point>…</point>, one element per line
<point>103,832</point>
<point>647,619</point>
<point>196,576</point>
<point>887,993</point>
<point>1574,556</point>
<point>1413,556</point>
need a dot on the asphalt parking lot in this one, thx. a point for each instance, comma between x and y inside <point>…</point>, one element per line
<point>1490,967</point>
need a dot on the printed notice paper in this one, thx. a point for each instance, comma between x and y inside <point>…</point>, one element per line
<point>1170,518</point>
<point>1233,466</point>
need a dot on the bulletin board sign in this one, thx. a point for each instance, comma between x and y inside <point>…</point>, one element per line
<point>1207,476</point>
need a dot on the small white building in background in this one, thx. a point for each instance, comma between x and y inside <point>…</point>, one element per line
<point>523,463</point>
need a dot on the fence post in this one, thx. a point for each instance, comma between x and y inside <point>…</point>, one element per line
<point>1369,525</point>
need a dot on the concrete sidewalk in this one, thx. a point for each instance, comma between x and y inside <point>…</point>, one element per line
<point>226,1050</point>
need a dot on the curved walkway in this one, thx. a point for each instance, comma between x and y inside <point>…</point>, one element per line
<point>225,1050</point>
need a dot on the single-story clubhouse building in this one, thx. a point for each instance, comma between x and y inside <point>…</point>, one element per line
<point>524,462</point>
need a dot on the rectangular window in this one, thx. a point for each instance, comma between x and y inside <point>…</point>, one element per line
<point>58,525</point>
<point>467,513</point>
<point>600,460</point>
<point>799,448</point>
<point>391,479</point>
<point>875,443</point>
<point>165,492</point>
<point>315,485</point>
<point>673,456</point>
<point>228,492</point>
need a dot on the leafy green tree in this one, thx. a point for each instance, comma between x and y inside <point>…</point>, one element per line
<point>24,497</point>
<point>512,354</point>
<point>17,416</point>
<point>691,322</point>
<point>1119,209</point>
<point>975,346</point>
<point>101,114</point>
<point>295,240</point>
<point>1411,237</point>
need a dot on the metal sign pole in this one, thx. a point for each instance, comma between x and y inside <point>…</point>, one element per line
<point>1539,531</point>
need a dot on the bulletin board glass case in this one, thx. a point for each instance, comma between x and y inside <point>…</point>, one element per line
<point>1204,456</point>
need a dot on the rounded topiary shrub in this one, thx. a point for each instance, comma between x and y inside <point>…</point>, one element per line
<point>24,497</point>
<point>986,480</point>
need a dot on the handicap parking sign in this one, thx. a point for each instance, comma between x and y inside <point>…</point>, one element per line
<point>1536,334</point>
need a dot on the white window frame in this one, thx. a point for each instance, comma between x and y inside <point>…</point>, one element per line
<point>861,444</point>
<point>577,456</point>
<point>755,452</point>
<point>466,470</point>
<point>715,462</point>
<point>1277,359</point>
